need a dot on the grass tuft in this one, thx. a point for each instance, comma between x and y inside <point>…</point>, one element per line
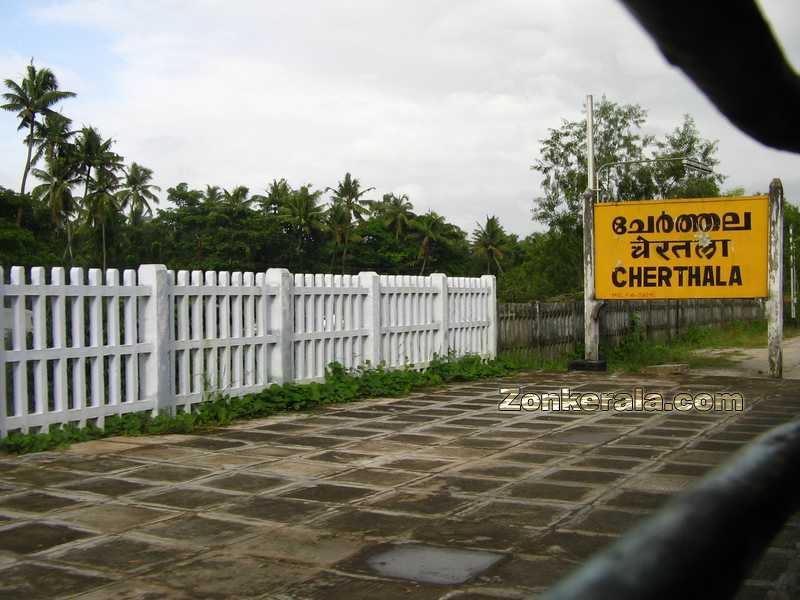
<point>635,351</point>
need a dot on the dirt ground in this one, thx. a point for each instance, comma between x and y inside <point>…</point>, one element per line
<point>752,362</point>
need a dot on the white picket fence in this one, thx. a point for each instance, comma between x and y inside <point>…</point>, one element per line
<point>78,351</point>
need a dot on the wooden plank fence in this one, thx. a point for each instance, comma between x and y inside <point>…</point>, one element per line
<point>555,327</point>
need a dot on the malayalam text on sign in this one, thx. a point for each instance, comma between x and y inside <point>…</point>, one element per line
<point>710,248</point>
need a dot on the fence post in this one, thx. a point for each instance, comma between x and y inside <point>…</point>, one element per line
<point>155,329</point>
<point>372,315</point>
<point>441,312</point>
<point>281,323</point>
<point>489,281</point>
<point>775,280</point>
<point>3,415</point>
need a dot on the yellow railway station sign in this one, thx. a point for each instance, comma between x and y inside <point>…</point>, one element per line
<point>700,248</point>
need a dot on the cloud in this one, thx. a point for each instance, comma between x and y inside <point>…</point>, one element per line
<point>444,101</point>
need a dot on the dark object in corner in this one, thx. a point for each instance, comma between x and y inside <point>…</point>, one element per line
<point>704,542</point>
<point>727,49</point>
<point>581,364</point>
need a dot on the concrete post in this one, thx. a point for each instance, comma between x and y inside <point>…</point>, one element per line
<point>591,307</point>
<point>490,282</point>
<point>441,312</point>
<point>3,408</point>
<point>281,324</point>
<point>372,315</point>
<point>155,321</point>
<point>775,280</point>
<point>793,274</point>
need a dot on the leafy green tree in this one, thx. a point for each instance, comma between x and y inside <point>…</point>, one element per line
<point>562,160</point>
<point>183,197</point>
<point>31,245</point>
<point>674,179</point>
<point>491,241</point>
<point>33,96</point>
<point>544,266</point>
<point>618,138</point>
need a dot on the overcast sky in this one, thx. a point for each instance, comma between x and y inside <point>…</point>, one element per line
<point>445,101</point>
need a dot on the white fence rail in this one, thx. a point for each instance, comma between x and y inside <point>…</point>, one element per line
<point>97,345</point>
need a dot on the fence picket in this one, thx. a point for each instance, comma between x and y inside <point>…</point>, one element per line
<point>158,340</point>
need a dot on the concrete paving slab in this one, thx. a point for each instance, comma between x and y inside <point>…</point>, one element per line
<point>277,508</point>
<point>125,554</point>
<point>114,518</point>
<point>34,581</point>
<point>221,575</point>
<point>32,537</point>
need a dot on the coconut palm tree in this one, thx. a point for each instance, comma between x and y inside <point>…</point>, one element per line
<point>349,193</point>
<point>397,213</point>
<point>33,96</point>
<point>56,191</point>
<point>490,240</point>
<point>137,192</point>
<point>238,197</point>
<point>341,228</point>
<point>93,152</point>
<point>278,192</point>
<point>52,137</point>
<point>101,203</point>
<point>433,230</point>
<point>213,194</point>
<point>302,215</point>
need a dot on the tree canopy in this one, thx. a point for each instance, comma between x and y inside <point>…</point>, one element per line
<point>619,138</point>
<point>90,207</point>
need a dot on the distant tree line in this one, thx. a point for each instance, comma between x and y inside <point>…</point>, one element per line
<point>81,204</point>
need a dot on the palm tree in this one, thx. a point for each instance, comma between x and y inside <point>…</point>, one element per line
<point>490,240</point>
<point>432,229</point>
<point>341,227</point>
<point>137,192</point>
<point>34,96</point>
<point>397,213</point>
<point>213,194</point>
<point>56,191</point>
<point>237,198</point>
<point>93,152</point>
<point>349,193</point>
<point>278,193</point>
<point>303,215</point>
<point>52,137</point>
<point>102,203</point>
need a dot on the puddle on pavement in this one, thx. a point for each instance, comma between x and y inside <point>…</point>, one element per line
<point>431,564</point>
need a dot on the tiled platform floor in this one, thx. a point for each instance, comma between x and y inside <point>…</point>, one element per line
<point>291,507</point>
